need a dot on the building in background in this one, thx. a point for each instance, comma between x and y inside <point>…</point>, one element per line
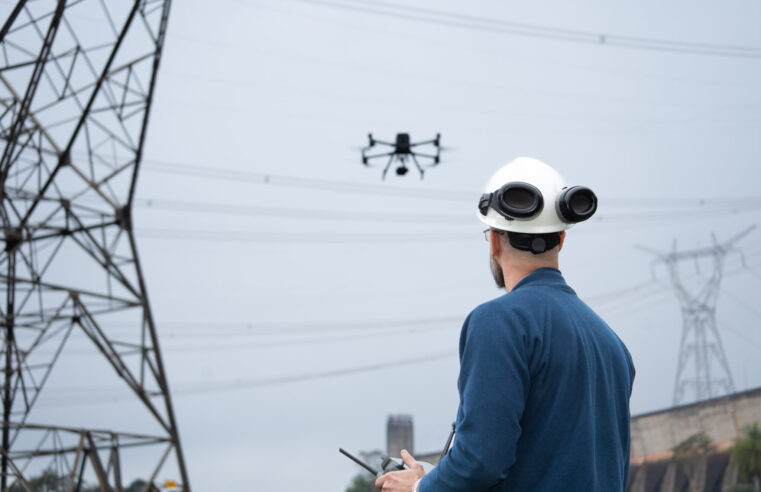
<point>687,447</point>
<point>399,434</point>
<point>683,448</point>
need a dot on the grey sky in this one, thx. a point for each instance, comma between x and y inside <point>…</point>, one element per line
<point>246,298</point>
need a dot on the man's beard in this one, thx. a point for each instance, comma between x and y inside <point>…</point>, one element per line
<point>496,272</point>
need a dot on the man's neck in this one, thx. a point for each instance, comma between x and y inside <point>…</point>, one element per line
<point>514,274</point>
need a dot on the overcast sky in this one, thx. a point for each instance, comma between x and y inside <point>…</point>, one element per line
<point>300,300</point>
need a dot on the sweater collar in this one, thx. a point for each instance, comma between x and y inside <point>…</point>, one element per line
<point>544,276</point>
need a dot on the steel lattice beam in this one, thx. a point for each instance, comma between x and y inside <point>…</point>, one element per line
<point>702,369</point>
<point>77,79</point>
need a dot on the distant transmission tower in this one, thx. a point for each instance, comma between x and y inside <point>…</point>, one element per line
<point>76,83</point>
<point>702,370</point>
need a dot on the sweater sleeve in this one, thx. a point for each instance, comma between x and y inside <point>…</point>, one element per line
<point>493,383</point>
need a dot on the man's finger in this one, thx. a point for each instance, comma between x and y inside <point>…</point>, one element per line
<point>408,459</point>
<point>379,482</point>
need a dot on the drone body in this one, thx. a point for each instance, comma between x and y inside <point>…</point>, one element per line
<point>402,150</point>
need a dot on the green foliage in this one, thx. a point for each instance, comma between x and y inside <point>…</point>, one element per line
<point>362,482</point>
<point>136,486</point>
<point>47,481</point>
<point>746,453</point>
<point>743,487</point>
<point>50,481</point>
<point>698,444</point>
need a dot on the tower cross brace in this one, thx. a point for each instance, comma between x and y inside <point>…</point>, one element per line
<point>702,368</point>
<point>77,80</point>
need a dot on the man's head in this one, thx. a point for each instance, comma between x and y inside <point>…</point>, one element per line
<point>504,257</point>
<point>528,207</point>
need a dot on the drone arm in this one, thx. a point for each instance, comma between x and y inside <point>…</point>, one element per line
<point>433,141</point>
<point>434,158</point>
<point>417,165</point>
<point>385,169</point>
<point>379,155</point>
<point>426,142</point>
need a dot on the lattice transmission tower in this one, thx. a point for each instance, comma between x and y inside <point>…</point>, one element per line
<point>702,368</point>
<point>77,79</point>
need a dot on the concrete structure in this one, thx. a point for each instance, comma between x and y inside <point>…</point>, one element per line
<point>399,434</point>
<point>654,466</point>
<point>722,419</point>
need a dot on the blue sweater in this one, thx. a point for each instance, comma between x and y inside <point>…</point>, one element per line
<point>544,396</point>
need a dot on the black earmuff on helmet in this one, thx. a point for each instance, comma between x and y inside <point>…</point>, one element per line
<point>515,200</point>
<point>536,243</point>
<point>576,204</point>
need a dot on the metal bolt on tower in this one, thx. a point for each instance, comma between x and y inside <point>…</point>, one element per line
<point>702,370</point>
<point>77,79</point>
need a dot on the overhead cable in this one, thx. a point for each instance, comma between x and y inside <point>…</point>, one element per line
<point>322,184</point>
<point>438,17</point>
<point>302,327</point>
<point>319,339</point>
<point>236,175</point>
<point>448,45</point>
<point>300,213</point>
<point>99,395</point>
<point>641,215</point>
<point>742,303</point>
<point>738,333</point>
<point>301,236</point>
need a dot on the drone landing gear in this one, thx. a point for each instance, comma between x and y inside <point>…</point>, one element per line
<point>402,170</point>
<point>402,149</point>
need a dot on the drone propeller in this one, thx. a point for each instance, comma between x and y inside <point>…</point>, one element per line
<point>402,149</point>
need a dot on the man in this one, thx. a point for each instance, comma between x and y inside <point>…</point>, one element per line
<point>544,383</point>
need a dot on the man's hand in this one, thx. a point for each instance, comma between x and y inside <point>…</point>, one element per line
<point>402,481</point>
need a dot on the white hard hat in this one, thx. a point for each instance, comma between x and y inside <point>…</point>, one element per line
<point>530,197</point>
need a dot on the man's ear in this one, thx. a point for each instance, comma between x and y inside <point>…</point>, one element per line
<point>495,242</point>
<point>562,240</point>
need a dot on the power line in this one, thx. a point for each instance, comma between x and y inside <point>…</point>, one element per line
<point>297,237</point>
<point>451,45</point>
<point>296,329</point>
<point>480,85</point>
<point>311,183</point>
<point>609,123</point>
<point>314,340</point>
<point>227,174</point>
<point>300,213</point>
<point>305,327</point>
<point>616,294</point>
<point>213,328</point>
<point>377,238</point>
<point>437,17</point>
<point>742,303</point>
<point>651,298</point>
<point>738,333</point>
<point>257,383</point>
<point>654,296</point>
<point>69,397</point>
<point>698,211</point>
<point>753,273</point>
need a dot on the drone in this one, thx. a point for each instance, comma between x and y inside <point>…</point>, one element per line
<point>402,150</point>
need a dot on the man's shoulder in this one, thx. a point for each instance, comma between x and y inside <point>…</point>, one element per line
<point>527,299</point>
<point>517,306</point>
